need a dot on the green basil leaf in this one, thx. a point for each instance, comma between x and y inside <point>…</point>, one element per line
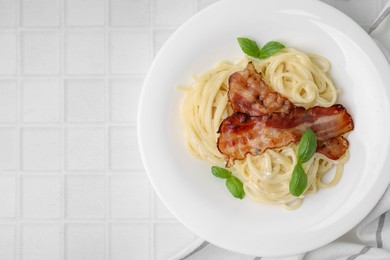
<point>298,181</point>
<point>270,49</point>
<point>235,187</point>
<point>307,146</point>
<point>249,47</point>
<point>220,172</point>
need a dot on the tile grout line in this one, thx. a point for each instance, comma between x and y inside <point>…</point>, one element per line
<point>18,243</point>
<point>77,76</point>
<point>107,104</point>
<point>41,220</point>
<point>129,172</point>
<point>70,124</point>
<point>63,137</point>
<point>87,28</point>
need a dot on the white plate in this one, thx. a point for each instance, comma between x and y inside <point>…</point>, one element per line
<point>185,184</point>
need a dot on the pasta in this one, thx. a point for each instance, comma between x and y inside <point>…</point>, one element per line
<point>303,79</point>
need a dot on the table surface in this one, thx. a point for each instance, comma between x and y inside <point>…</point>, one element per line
<point>72,183</point>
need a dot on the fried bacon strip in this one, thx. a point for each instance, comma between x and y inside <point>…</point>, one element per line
<point>333,148</point>
<point>249,94</point>
<point>241,133</point>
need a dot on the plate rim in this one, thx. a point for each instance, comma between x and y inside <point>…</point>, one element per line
<point>367,208</point>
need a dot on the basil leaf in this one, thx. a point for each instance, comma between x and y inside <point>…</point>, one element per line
<point>249,47</point>
<point>270,49</point>
<point>235,187</point>
<point>220,172</point>
<point>307,146</point>
<point>298,181</point>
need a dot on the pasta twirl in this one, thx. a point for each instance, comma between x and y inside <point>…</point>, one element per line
<point>303,79</point>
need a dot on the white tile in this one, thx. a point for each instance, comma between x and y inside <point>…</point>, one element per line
<point>129,196</point>
<point>8,197</point>
<point>41,53</point>
<point>129,241</point>
<point>41,148</point>
<point>163,14</point>
<point>40,12</point>
<point>161,210</point>
<point>84,12</point>
<point>85,100</point>
<point>7,241</point>
<point>7,13</point>
<point>124,97</point>
<point>85,149</point>
<point>124,151</point>
<point>85,196</point>
<point>40,241</point>
<point>84,242</point>
<point>8,100</point>
<point>84,53</point>
<point>9,156</point>
<point>129,13</point>
<point>40,196</point>
<point>7,53</point>
<point>164,249</point>
<point>40,100</point>
<point>129,52</point>
<point>159,39</point>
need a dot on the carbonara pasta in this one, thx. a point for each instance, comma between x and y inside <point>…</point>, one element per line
<point>304,80</point>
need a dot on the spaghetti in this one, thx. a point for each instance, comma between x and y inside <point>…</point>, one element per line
<point>304,80</point>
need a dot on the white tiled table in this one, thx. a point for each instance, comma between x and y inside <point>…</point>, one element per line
<point>72,184</point>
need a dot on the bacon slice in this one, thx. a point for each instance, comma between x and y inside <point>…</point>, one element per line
<point>249,94</point>
<point>241,133</point>
<point>333,148</point>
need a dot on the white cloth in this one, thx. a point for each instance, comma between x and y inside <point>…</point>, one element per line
<point>368,240</point>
